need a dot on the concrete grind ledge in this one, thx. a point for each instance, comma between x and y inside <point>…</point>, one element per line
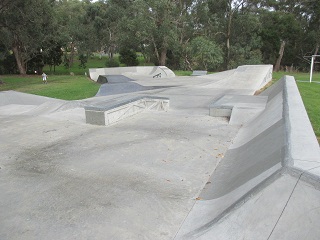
<point>278,144</point>
<point>106,115</point>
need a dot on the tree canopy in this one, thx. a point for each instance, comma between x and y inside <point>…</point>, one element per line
<point>182,34</point>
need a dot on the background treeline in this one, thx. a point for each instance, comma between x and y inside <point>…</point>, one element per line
<point>181,34</point>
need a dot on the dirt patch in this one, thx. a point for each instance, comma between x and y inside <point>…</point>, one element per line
<point>265,87</point>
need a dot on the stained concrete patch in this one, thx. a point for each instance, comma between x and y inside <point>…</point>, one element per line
<point>134,180</point>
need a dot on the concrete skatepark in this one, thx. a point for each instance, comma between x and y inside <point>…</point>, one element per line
<point>161,157</point>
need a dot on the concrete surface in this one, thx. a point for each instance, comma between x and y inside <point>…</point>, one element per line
<point>179,174</point>
<point>230,207</point>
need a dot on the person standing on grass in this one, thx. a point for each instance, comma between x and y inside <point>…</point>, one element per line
<point>44,78</point>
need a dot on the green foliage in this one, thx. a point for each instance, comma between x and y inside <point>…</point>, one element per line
<point>112,62</point>
<point>279,26</point>
<point>247,32</point>
<point>8,65</point>
<point>83,60</point>
<point>128,57</point>
<point>246,44</point>
<point>53,55</point>
<point>26,26</point>
<point>204,54</point>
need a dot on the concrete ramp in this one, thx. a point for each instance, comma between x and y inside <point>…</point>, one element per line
<point>259,154</point>
<point>13,97</point>
<point>15,103</point>
<point>133,72</point>
<point>247,78</point>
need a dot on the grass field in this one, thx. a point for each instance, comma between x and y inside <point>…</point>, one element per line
<point>310,93</point>
<point>59,86</point>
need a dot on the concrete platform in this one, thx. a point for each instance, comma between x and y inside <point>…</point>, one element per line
<point>175,174</point>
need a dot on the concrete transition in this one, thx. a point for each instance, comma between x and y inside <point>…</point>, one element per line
<point>154,72</point>
<point>218,163</point>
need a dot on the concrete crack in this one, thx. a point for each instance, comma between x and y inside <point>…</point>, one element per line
<point>285,206</point>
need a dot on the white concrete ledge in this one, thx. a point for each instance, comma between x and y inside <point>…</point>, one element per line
<point>303,148</point>
<point>106,115</point>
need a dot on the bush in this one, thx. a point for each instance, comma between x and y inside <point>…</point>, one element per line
<point>128,57</point>
<point>83,60</point>
<point>8,65</point>
<point>111,62</point>
<point>204,54</point>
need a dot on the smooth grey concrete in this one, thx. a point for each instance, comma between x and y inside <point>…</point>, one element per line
<point>262,148</point>
<point>175,174</point>
<point>299,133</point>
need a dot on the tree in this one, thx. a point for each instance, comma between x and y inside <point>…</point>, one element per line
<point>25,26</point>
<point>204,54</point>
<point>54,55</point>
<point>72,28</point>
<point>225,11</point>
<point>156,25</point>
<point>279,28</point>
<point>128,57</point>
<point>246,40</point>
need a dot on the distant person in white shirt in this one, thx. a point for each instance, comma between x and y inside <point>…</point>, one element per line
<point>44,78</point>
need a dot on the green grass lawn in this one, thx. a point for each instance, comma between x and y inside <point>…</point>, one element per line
<point>310,93</point>
<point>59,86</point>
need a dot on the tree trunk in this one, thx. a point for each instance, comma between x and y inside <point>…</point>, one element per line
<point>156,50</point>
<point>317,50</point>
<point>20,64</point>
<point>71,55</point>
<point>228,36</point>
<point>281,51</point>
<point>163,57</point>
